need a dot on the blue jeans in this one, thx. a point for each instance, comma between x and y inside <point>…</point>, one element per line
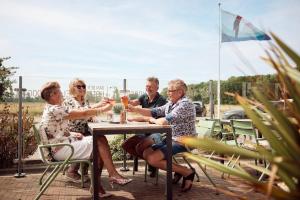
<point>156,137</point>
<point>176,148</point>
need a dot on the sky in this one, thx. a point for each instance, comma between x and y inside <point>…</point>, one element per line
<point>105,41</point>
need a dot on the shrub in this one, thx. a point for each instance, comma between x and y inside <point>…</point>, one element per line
<point>9,136</point>
<point>116,149</point>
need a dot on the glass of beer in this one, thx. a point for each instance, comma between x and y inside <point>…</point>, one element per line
<point>124,100</point>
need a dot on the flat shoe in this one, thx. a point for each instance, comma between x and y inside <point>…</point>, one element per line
<point>105,195</point>
<point>73,177</point>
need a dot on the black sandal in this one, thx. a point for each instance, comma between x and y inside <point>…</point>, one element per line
<point>176,178</point>
<point>188,178</point>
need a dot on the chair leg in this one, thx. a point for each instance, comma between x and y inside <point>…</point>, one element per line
<point>263,174</point>
<point>208,177</point>
<point>92,174</point>
<point>256,165</point>
<point>135,165</point>
<point>44,173</point>
<point>146,169</point>
<point>227,164</point>
<point>234,163</point>
<point>82,175</point>
<point>49,177</point>
<point>49,180</point>
<point>209,157</point>
<point>156,177</point>
<point>65,169</point>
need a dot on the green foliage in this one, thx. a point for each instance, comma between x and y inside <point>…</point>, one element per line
<point>115,148</point>
<point>279,127</point>
<point>241,85</point>
<point>6,91</point>
<point>133,96</point>
<point>9,135</point>
<point>164,92</point>
<point>116,95</point>
<point>117,108</point>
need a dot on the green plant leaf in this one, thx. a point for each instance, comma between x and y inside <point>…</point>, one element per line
<point>292,54</point>
<point>221,167</point>
<point>264,129</point>
<point>286,129</point>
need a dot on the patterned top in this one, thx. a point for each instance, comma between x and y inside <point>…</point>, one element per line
<point>181,115</point>
<point>78,125</point>
<point>158,100</point>
<point>53,127</point>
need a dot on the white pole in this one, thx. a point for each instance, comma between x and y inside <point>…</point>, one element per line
<point>219,69</point>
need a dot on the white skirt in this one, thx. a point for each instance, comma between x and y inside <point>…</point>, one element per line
<point>82,149</point>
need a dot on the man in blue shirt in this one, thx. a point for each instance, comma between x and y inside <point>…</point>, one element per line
<point>151,99</point>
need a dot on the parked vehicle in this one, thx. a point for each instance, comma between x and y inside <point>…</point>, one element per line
<point>234,114</point>
<point>240,114</point>
<point>200,108</point>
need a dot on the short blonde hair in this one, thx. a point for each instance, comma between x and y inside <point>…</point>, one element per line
<point>48,88</point>
<point>178,84</point>
<point>73,83</point>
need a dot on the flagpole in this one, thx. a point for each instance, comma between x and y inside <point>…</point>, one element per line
<point>219,69</point>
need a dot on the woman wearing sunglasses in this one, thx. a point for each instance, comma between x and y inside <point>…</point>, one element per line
<point>77,90</point>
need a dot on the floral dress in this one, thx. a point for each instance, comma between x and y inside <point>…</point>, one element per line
<point>54,128</point>
<point>78,125</point>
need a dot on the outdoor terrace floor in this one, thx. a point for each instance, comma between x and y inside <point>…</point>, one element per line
<point>26,188</point>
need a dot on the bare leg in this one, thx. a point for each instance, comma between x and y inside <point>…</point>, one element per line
<point>73,168</point>
<point>105,155</point>
<point>100,164</point>
<point>141,146</point>
<point>156,159</point>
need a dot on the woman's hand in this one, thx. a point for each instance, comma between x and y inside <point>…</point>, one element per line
<point>131,108</point>
<point>152,120</point>
<point>138,119</point>
<point>78,136</point>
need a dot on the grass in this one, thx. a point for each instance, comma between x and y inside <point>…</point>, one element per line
<point>34,108</point>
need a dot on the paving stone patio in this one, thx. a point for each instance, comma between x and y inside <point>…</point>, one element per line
<point>26,188</point>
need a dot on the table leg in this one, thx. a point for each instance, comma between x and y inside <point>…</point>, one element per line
<point>169,166</point>
<point>95,168</point>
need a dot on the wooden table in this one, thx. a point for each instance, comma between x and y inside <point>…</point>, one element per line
<point>105,128</point>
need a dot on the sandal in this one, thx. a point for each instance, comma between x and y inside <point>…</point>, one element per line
<point>176,178</point>
<point>119,181</point>
<point>73,177</point>
<point>188,178</point>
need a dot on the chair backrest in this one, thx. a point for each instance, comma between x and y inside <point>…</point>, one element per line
<point>205,128</point>
<point>37,135</point>
<point>45,153</point>
<point>245,128</point>
<point>217,128</point>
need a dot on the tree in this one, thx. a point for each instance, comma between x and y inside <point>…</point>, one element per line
<point>6,90</point>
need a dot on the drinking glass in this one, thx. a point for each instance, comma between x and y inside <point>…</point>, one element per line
<point>124,100</point>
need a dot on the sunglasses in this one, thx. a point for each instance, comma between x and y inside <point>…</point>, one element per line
<point>80,86</point>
